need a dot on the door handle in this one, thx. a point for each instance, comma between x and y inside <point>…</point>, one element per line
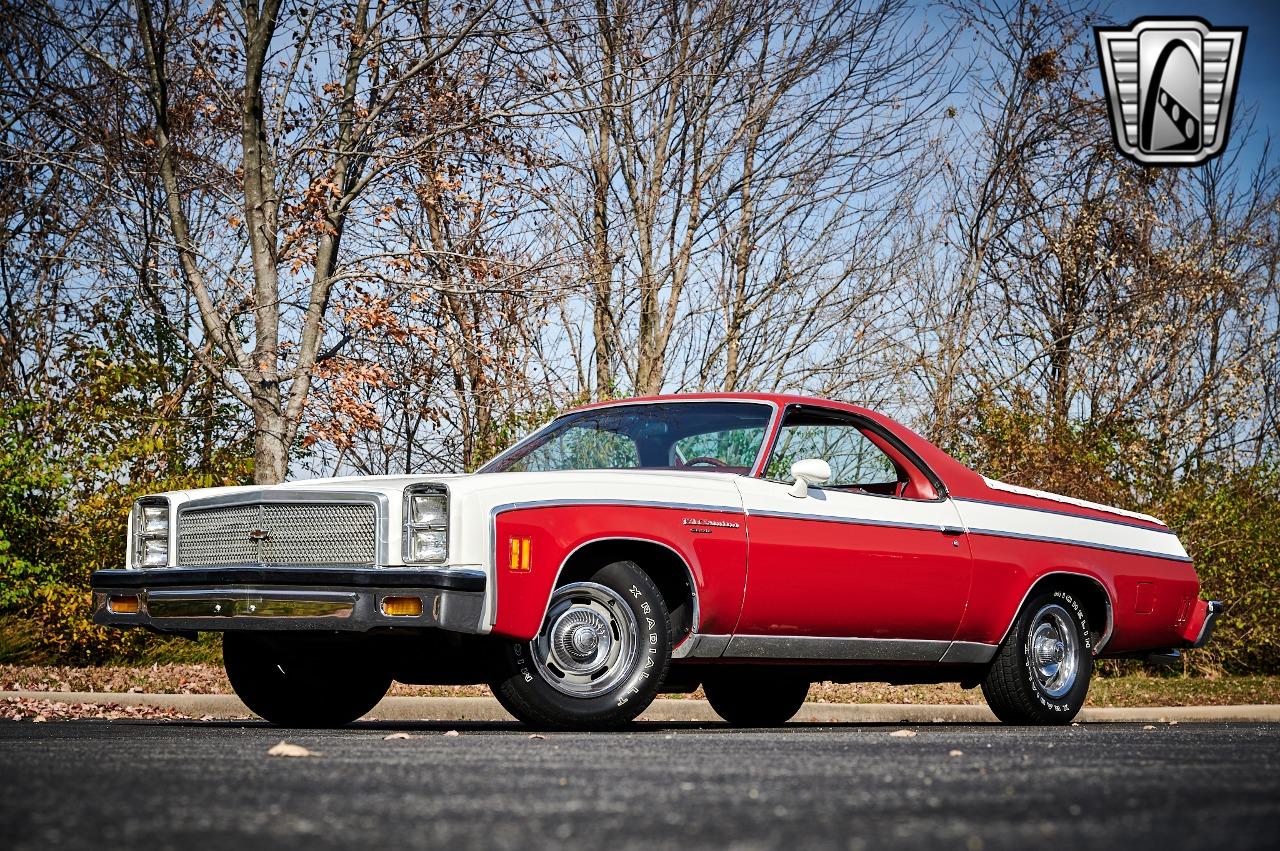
<point>952,530</point>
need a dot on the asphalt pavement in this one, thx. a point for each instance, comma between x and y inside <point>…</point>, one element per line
<point>195,785</point>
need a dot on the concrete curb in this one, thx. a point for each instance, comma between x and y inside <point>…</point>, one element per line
<point>228,706</point>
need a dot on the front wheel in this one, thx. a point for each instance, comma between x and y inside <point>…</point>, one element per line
<point>1041,673</point>
<point>598,660</point>
<point>297,684</point>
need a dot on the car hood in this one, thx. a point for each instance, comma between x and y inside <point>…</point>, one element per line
<point>624,485</point>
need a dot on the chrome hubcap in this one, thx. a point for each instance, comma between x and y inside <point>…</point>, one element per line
<point>580,639</point>
<point>1053,653</point>
<point>588,641</point>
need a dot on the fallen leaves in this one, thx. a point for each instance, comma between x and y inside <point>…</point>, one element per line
<point>166,679</point>
<point>288,749</point>
<point>396,737</point>
<point>956,752</point>
<point>903,734</point>
<point>451,733</point>
<point>149,679</point>
<point>39,710</point>
<point>536,736</point>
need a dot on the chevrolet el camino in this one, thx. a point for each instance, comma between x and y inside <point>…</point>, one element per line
<point>750,544</point>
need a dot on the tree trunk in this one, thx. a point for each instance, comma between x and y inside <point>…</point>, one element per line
<point>270,447</point>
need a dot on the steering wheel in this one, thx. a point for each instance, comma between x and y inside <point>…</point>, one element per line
<point>705,459</point>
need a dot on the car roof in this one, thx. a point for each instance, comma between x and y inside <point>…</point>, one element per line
<point>779,399</point>
<point>959,479</point>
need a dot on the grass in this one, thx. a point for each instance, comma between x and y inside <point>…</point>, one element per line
<point>206,678</point>
<point>1121,691</point>
<point>20,645</point>
<point>206,650</point>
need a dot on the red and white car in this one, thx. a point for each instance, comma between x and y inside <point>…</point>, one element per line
<point>750,544</point>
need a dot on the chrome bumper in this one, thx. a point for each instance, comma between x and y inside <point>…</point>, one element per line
<point>181,599</point>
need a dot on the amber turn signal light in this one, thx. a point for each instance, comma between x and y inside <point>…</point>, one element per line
<point>123,604</point>
<point>402,606</point>
<point>520,557</point>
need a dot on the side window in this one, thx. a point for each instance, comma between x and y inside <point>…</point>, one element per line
<point>735,448</point>
<point>581,448</point>
<point>855,461</point>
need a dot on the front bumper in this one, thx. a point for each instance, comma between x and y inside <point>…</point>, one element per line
<point>187,599</point>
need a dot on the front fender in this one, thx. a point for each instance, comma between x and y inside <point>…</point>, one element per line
<point>714,553</point>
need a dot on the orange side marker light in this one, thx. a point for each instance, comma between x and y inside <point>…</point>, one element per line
<point>123,604</point>
<point>404,606</point>
<point>521,560</point>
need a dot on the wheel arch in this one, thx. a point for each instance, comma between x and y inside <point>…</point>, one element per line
<point>1093,594</point>
<point>661,562</point>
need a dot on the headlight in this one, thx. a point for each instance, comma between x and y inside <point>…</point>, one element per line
<point>426,524</point>
<point>155,520</point>
<point>428,509</point>
<point>151,533</point>
<point>428,545</point>
<point>155,552</point>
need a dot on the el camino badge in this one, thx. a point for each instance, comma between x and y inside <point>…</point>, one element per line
<point>694,521</point>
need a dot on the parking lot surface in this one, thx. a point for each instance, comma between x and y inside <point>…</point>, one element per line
<point>188,785</point>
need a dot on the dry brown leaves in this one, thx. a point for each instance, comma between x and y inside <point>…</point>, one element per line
<point>288,749</point>
<point>150,679</point>
<point>37,710</point>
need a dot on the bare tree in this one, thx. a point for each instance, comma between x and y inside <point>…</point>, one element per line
<point>730,154</point>
<point>1118,303</point>
<point>282,127</point>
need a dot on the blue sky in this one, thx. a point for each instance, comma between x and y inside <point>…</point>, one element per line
<point>1260,74</point>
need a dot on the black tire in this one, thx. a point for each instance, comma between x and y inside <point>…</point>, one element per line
<point>1029,681</point>
<point>296,684</point>
<point>535,688</point>
<point>755,699</point>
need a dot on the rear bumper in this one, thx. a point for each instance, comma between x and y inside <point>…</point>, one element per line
<point>180,599</point>
<point>1199,628</point>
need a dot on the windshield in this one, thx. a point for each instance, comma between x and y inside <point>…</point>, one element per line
<point>707,436</point>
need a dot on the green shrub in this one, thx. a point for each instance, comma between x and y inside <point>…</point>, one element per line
<point>1226,517</point>
<point>1229,524</point>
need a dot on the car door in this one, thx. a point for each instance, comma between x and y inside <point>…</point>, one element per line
<point>875,553</point>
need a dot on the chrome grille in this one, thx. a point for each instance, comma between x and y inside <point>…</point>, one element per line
<point>282,533</point>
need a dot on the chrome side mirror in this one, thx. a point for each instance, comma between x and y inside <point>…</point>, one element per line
<point>808,473</point>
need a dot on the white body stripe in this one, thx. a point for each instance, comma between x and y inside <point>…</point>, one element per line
<point>761,497</point>
<point>1068,500</point>
<point>1036,524</point>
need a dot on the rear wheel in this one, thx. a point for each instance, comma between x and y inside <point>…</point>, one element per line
<point>301,684</point>
<point>755,700</point>
<point>598,660</point>
<point>1041,672</point>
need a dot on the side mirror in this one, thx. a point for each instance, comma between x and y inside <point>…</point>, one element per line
<point>808,472</point>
